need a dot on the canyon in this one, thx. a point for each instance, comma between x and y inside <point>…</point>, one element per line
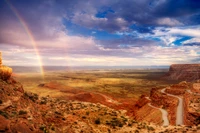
<point>177,101</point>
<point>174,108</point>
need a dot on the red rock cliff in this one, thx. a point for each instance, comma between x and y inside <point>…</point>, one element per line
<point>187,72</point>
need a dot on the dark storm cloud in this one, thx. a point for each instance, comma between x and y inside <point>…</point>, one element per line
<point>107,15</point>
<point>115,16</point>
<point>148,11</point>
<point>177,8</point>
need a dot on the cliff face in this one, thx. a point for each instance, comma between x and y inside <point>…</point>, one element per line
<point>186,72</point>
<point>178,89</point>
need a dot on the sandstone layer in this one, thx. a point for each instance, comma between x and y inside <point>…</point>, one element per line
<point>183,72</point>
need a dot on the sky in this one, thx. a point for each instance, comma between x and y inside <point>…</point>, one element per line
<point>99,32</point>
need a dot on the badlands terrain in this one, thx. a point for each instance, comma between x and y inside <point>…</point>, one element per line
<point>98,101</point>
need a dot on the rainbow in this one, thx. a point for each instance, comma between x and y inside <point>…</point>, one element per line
<point>28,31</point>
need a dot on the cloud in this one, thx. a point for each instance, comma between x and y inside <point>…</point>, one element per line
<point>91,21</point>
<point>170,35</point>
<point>168,22</point>
<point>193,40</point>
<point>180,8</point>
<point>194,32</point>
<point>146,32</point>
<point>120,15</point>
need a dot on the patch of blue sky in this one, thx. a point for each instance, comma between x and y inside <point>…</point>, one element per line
<point>104,35</point>
<point>153,38</point>
<point>102,14</point>
<point>74,29</point>
<point>142,29</point>
<point>180,41</point>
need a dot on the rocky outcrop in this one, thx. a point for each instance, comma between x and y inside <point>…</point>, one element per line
<point>178,89</point>
<point>5,72</point>
<point>149,114</point>
<point>191,109</point>
<point>143,112</point>
<point>196,87</point>
<point>186,72</point>
<point>141,102</point>
<point>0,59</point>
<point>175,91</point>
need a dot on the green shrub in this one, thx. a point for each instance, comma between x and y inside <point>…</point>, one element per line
<point>87,113</point>
<point>32,96</point>
<point>150,128</point>
<point>22,112</point>
<point>97,121</point>
<point>84,117</point>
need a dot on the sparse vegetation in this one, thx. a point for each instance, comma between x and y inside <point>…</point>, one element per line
<point>5,114</point>
<point>87,113</point>
<point>22,112</point>
<point>31,96</point>
<point>124,83</point>
<point>59,115</point>
<point>44,129</point>
<point>97,121</point>
<point>150,128</point>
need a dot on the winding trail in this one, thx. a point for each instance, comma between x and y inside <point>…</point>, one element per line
<point>164,114</point>
<point>179,112</point>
